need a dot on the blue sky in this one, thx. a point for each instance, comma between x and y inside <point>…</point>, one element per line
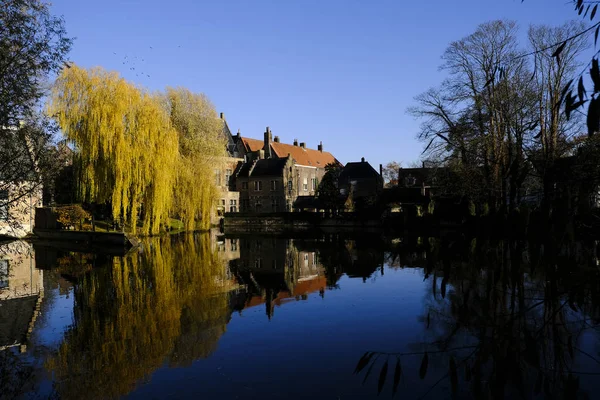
<point>338,71</point>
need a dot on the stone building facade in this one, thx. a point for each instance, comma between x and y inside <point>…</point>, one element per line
<point>275,174</point>
<point>264,176</point>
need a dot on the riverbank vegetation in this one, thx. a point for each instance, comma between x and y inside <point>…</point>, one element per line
<point>496,124</point>
<point>149,155</point>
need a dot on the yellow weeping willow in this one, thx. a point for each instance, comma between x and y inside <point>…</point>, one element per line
<point>147,154</point>
<point>201,146</point>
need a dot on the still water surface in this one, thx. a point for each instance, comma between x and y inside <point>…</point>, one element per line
<point>251,317</point>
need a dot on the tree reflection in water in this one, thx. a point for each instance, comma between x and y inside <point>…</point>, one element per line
<point>166,303</point>
<point>504,318</point>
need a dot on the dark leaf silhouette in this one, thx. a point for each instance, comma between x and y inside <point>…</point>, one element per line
<point>559,50</point>
<point>596,35</point>
<point>569,105</point>
<point>382,377</point>
<point>362,363</point>
<point>424,364</point>
<point>595,74</point>
<point>443,289</point>
<point>397,375</point>
<point>453,377</point>
<point>593,14</point>
<point>580,89</point>
<point>593,116</point>
<point>564,91</point>
<point>428,319</point>
<point>368,372</point>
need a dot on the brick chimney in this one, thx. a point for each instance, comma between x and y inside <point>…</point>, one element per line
<point>381,169</point>
<point>238,134</point>
<point>320,147</point>
<point>267,146</point>
<point>295,142</point>
<point>303,145</point>
<point>222,116</point>
<point>276,139</point>
<point>362,159</point>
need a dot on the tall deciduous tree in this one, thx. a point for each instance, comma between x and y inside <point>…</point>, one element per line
<point>485,118</point>
<point>127,149</point>
<point>202,147</point>
<point>33,44</point>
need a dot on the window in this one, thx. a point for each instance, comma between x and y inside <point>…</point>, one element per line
<point>234,245</point>
<point>290,186</point>
<point>275,203</point>
<point>257,263</point>
<point>314,184</point>
<point>232,205</point>
<point>223,202</point>
<point>314,258</point>
<point>257,185</point>
<point>244,185</point>
<point>273,186</point>
<point>227,176</point>
<point>258,205</point>
<point>305,184</point>
<point>218,177</point>
<point>4,205</point>
<point>245,204</point>
<point>3,274</point>
<point>410,181</point>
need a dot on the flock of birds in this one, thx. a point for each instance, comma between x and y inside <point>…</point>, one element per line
<point>133,63</point>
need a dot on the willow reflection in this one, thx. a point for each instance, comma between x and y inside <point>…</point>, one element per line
<point>503,319</point>
<point>168,302</point>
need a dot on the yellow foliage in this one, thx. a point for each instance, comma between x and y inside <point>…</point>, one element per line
<point>72,215</point>
<point>201,146</point>
<point>149,155</point>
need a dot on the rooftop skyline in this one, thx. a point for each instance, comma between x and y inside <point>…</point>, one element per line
<point>340,72</point>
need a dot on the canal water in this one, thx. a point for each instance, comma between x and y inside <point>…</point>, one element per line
<point>288,317</point>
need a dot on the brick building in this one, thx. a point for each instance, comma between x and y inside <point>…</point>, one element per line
<point>275,174</point>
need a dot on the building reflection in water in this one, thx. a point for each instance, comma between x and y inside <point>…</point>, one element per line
<point>21,294</point>
<point>273,271</point>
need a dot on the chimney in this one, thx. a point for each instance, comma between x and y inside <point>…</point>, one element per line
<point>295,142</point>
<point>320,147</point>
<point>423,164</point>
<point>303,145</point>
<point>222,116</point>
<point>267,146</point>
<point>362,159</point>
<point>276,139</point>
<point>239,134</point>
<point>381,169</point>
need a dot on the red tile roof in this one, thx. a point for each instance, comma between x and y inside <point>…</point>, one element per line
<point>302,156</point>
<point>309,157</point>
<point>252,144</point>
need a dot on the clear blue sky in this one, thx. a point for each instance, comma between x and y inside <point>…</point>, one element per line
<point>338,71</point>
